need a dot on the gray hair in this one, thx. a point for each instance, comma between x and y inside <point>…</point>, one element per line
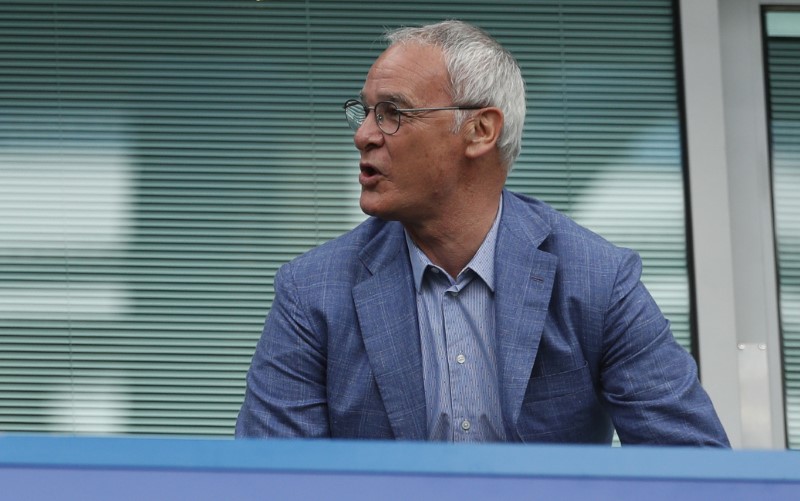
<point>482,73</point>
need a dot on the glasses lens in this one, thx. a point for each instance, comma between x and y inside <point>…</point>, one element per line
<point>355,113</point>
<point>387,116</point>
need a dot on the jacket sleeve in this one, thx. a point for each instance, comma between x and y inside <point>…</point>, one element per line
<point>649,382</point>
<point>286,383</point>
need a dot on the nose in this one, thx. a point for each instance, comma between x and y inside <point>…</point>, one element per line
<point>369,135</point>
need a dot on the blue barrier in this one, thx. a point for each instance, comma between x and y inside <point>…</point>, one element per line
<point>92,468</point>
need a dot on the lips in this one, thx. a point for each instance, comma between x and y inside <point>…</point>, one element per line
<point>368,169</point>
<point>369,174</point>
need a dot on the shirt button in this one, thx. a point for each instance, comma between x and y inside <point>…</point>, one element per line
<point>435,270</point>
<point>465,425</point>
<point>461,359</point>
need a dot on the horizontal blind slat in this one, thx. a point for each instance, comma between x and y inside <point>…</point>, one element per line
<point>161,159</point>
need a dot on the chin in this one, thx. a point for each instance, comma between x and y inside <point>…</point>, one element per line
<point>374,213</point>
<point>368,209</point>
<point>375,210</point>
<point>370,204</point>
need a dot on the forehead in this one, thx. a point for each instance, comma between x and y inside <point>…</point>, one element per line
<point>408,74</point>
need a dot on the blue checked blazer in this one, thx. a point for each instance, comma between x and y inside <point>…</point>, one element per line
<point>581,345</point>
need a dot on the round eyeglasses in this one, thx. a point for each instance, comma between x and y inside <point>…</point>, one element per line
<point>387,114</point>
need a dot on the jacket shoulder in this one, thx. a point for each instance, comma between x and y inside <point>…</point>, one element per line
<point>560,233</point>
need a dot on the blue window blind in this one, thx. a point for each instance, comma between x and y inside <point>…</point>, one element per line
<point>783,77</point>
<point>160,159</point>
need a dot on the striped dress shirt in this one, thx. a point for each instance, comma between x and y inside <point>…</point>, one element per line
<point>456,324</point>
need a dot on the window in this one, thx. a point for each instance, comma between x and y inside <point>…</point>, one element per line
<point>783,76</point>
<point>159,160</point>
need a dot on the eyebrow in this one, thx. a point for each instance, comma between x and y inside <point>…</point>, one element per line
<point>397,99</point>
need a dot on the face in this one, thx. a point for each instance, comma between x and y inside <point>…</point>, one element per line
<point>412,175</point>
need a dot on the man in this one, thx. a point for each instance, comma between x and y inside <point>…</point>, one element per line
<point>460,311</point>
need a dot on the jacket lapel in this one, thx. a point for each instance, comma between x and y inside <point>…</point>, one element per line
<point>387,314</point>
<point>525,277</point>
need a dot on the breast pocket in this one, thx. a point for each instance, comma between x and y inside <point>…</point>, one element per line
<point>560,407</point>
<point>547,386</point>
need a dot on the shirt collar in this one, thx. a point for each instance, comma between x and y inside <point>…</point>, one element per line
<point>482,263</point>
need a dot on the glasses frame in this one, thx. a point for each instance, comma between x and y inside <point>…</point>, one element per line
<point>355,126</point>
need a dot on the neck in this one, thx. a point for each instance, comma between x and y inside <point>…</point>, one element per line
<point>452,241</point>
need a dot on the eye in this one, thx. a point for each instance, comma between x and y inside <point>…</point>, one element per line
<point>386,112</point>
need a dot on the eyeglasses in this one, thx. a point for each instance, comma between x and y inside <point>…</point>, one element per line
<point>387,114</point>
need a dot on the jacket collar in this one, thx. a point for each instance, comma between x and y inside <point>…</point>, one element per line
<point>525,277</point>
<point>387,314</point>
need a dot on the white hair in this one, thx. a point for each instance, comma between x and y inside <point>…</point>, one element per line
<point>482,73</point>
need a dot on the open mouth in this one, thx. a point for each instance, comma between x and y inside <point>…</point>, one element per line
<point>369,176</point>
<point>369,170</point>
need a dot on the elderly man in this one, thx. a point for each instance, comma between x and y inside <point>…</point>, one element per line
<point>461,311</point>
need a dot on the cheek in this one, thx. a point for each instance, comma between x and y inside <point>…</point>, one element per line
<point>423,160</point>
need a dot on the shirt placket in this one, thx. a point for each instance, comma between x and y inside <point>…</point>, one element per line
<point>457,337</point>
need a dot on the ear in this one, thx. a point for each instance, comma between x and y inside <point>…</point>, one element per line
<point>483,131</point>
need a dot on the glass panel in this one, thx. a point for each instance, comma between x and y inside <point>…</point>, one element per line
<point>160,159</point>
<point>783,72</point>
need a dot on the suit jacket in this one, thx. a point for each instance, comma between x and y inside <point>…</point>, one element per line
<point>580,343</point>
